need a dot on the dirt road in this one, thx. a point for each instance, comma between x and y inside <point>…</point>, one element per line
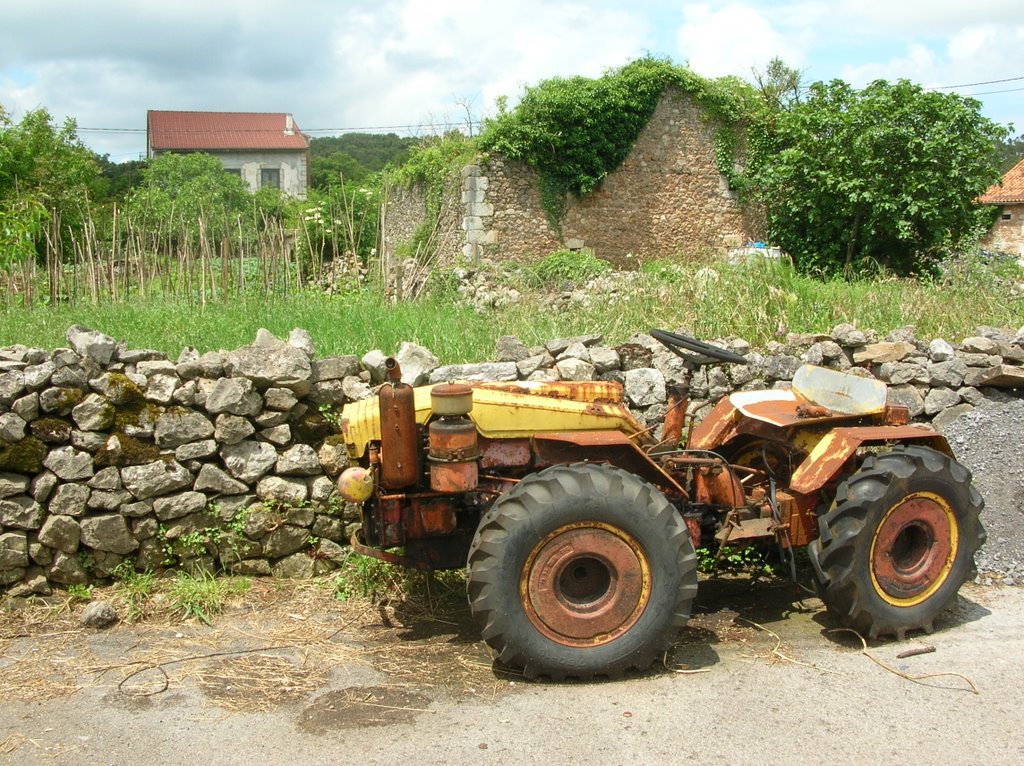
<point>291,675</point>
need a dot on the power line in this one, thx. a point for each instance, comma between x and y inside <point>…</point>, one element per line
<point>205,131</point>
<point>973,84</point>
<point>993,92</point>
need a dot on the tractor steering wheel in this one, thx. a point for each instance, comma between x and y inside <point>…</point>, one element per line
<point>701,352</point>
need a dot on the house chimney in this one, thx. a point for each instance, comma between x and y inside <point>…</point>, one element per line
<point>289,129</point>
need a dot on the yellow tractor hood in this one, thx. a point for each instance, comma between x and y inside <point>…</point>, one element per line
<point>511,411</point>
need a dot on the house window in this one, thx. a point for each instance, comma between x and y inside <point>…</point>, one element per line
<point>234,171</point>
<point>1007,216</point>
<point>270,177</point>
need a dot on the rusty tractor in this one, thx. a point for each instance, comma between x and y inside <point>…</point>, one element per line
<point>578,527</point>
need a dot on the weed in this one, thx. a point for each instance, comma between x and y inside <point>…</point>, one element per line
<point>202,595</point>
<point>370,578</point>
<point>566,267</point>
<point>79,594</point>
<point>748,560</point>
<point>330,414</point>
<point>136,587</point>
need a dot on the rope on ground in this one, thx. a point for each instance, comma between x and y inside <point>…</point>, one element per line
<point>920,679</point>
<point>781,656</point>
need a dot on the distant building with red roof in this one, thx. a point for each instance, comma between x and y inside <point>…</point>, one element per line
<point>263,148</point>
<point>1007,234</point>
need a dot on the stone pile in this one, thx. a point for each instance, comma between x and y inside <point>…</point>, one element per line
<point>111,457</point>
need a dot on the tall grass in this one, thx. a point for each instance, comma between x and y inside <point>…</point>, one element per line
<point>759,302</point>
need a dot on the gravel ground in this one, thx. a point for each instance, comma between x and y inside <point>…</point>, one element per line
<point>989,440</point>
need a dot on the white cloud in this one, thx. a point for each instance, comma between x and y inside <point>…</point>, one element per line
<point>736,38</point>
<point>365,63</point>
<point>921,17</point>
<point>333,65</point>
<point>427,55</point>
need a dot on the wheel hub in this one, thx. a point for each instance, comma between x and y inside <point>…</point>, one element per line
<point>914,548</point>
<point>585,584</point>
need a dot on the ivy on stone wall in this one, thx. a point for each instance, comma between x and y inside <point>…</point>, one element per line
<point>430,166</point>
<point>575,131</point>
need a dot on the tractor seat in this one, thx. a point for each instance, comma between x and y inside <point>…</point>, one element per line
<point>817,394</point>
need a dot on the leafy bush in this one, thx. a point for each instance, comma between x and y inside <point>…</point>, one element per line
<point>190,197</point>
<point>885,176</point>
<point>566,267</point>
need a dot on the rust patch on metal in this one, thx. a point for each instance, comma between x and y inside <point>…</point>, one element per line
<point>585,585</point>
<point>717,485</point>
<point>604,391</point>
<point>798,517</point>
<point>603,447</point>
<point>399,441</point>
<point>913,547</point>
<point>710,432</point>
<point>392,558</point>
<point>429,517</point>
<point>840,444</point>
<point>505,453</point>
<point>675,418</point>
<point>896,415</point>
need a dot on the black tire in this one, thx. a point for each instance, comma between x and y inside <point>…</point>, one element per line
<point>898,541</point>
<point>581,570</point>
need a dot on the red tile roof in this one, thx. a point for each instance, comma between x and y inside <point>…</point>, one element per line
<point>198,131</point>
<point>1010,191</point>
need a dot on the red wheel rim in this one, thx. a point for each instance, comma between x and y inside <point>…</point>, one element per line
<point>914,548</point>
<point>585,584</point>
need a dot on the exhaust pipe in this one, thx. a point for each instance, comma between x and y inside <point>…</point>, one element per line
<point>399,440</point>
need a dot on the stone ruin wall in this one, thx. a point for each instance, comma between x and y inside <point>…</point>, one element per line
<point>666,199</point>
<point>226,461</point>
<point>405,210</point>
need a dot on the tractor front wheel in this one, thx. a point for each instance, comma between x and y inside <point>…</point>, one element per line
<point>898,542</point>
<point>581,570</point>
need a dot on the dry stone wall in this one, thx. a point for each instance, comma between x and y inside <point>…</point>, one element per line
<point>112,457</point>
<point>668,197</point>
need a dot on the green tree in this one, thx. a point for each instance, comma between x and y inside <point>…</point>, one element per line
<point>882,176</point>
<point>189,197</point>
<point>120,177</point>
<point>46,175</point>
<point>332,169</point>
<point>372,151</point>
<point>778,85</point>
<point>1011,151</point>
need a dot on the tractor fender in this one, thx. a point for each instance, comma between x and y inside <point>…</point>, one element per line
<point>830,454</point>
<point>611,447</point>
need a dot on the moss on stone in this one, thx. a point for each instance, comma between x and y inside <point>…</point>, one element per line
<point>312,428</point>
<point>51,430</point>
<point>121,389</point>
<point>136,413</point>
<point>65,399</point>
<point>25,456</point>
<point>133,451</point>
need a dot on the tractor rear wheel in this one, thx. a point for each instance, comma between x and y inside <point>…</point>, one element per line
<point>581,570</point>
<point>898,542</point>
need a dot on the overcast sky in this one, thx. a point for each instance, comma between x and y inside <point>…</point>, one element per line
<point>369,64</point>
